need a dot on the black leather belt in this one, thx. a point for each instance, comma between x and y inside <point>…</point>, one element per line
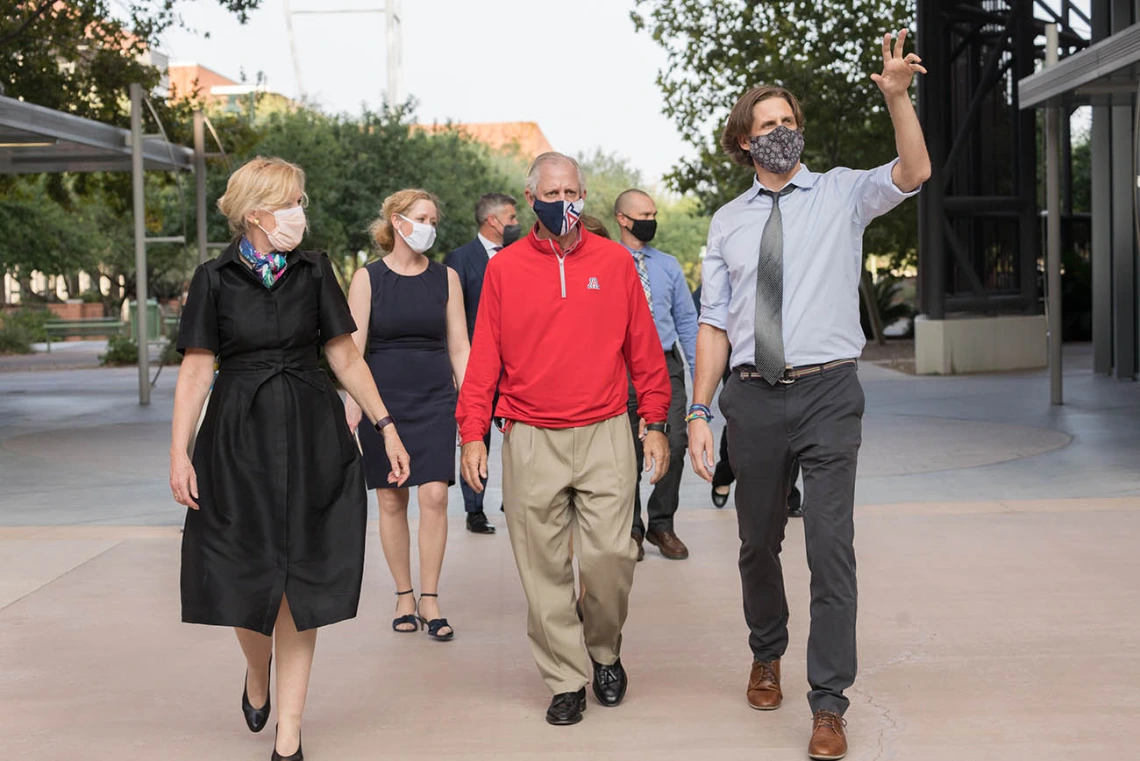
<point>793,374</point>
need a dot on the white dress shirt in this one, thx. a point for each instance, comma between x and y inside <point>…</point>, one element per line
<point>823,223</point>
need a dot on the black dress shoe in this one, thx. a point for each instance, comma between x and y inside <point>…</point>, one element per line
<point>718,499</point>
<point>477,523</point>
<point>297,756</point>
<point>796,512</point>
<point>566,708</point>
<point>610,683</point>
<point>255,718</point>
<point>640,546</point>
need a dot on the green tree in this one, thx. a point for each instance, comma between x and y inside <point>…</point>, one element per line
<point>80,57</point>
<point>824,52</point>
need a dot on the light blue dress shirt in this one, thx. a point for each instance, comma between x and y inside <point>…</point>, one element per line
<point>673,308</point>
<point>823,222</point>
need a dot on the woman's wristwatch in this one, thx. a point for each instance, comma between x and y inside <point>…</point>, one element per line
<point>380,424</point>
<point>659,427</point>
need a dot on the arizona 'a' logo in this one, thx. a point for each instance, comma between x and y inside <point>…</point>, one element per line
<point>593,285</point>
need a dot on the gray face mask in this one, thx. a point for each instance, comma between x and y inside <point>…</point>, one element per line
<point>779,151</point>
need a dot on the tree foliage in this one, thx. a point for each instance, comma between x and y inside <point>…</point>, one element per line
<point>81,56</point>
<point>823,52</point>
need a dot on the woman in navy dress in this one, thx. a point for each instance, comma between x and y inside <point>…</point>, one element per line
<point>412,330</point>
<point>273,543</point>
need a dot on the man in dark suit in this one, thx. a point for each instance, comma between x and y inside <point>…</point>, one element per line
<point>497,216</point>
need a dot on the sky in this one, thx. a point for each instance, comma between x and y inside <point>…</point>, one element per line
<point>577,69</point>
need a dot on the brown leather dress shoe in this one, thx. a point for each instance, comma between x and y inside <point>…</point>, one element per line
<point>764,692</point>
<point>669,544</point>
<point>828,740</point>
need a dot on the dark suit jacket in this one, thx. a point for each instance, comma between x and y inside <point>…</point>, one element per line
<point>470,262</point>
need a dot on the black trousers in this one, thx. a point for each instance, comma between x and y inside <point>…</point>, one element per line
<point>817,420</point>
<point>723,475</point>
<point>666,495</point>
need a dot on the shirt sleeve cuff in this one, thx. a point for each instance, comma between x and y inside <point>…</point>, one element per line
<point>885,181</point>
<point>713,318</point>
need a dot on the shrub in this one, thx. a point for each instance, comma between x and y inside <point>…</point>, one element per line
<point>121,350</point>
<point>20,328</point>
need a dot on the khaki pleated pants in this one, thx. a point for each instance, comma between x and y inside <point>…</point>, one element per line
<point>578,480</point>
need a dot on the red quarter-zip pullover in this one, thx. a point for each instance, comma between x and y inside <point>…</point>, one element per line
<point>558,332</point>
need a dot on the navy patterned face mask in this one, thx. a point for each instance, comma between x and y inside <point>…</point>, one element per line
<point>779,151</point>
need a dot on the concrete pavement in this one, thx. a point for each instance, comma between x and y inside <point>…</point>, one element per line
<point>999,586</point>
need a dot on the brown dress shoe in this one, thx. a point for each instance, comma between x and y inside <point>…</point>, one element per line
<point>764,692</point>
<point>828,740</point>
<point>669,544</point>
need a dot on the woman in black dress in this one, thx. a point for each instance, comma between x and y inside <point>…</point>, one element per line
<point>273,543</point>
<point>412,330</point>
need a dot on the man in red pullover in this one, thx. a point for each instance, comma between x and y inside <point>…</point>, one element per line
<point>563,323</point>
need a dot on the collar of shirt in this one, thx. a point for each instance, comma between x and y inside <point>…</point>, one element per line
<point>804,180</point>
<point>646,249</point>
<point>488,245</point>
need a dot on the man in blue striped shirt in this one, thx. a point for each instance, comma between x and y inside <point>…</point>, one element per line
<point>673,310</point>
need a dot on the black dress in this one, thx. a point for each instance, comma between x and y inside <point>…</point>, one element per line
<point>281,492</point>
<point>407,352</point>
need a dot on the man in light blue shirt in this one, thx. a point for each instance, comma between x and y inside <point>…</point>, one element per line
<point>780,304</point>
<point>673,310</point>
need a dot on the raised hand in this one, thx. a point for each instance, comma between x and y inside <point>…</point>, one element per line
<point>898,69</point>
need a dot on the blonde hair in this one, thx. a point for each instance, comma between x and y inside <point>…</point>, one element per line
<point>261,184</point>
<point>400,202</point>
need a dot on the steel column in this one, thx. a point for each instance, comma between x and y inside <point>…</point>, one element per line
<point>140,242</point>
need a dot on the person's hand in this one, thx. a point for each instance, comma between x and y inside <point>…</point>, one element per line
<point>473,464</point>
<point>352,413</point>
<point>641,429</point>
<point>898,70</point>
<point>183,480</point>
<point>397,456</point>
<point>701,453</point>
<point>656,454</point>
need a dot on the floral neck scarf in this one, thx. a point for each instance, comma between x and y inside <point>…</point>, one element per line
<point>268,267</point>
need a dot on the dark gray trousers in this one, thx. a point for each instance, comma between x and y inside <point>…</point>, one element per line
<point>819,420</point>
<point>666,494</point>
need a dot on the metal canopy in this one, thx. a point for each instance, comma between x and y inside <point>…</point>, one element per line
<point>1090,77</point>
<point>36,139</point>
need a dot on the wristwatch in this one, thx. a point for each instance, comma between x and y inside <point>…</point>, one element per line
<point>659,427</point>
<point>382,423</point>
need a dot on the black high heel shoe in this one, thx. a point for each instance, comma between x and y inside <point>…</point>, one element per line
<point>411,619</point>
<point>433,626</point>
<point>718,499</point>
<point>256,718</point>
<point>298,756</point>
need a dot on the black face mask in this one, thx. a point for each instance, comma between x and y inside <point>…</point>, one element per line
<point>644,229</point>
<point>511,233</point>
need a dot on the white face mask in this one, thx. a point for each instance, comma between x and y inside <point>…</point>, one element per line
<point>422,237</point>
<point>291,226</point>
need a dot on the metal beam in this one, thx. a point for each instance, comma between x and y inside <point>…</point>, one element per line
<point>1123,247</point>
<point>139,204</point>
<point>1053,203</point>
<point>1112,55</point>
<point>200,184</point>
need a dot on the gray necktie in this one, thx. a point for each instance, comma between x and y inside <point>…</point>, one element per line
<point>769,327</point>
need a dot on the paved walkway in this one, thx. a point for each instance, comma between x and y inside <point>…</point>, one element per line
<point>999,586</point>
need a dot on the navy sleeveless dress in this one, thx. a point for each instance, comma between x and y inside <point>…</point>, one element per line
<point>407,353</point>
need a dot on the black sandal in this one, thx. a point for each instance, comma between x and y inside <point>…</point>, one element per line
<point>410,619</point>
<point>433,626</point>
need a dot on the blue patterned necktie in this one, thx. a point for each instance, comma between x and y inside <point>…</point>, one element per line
<point>769,326</point>
<point>643,273</point>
